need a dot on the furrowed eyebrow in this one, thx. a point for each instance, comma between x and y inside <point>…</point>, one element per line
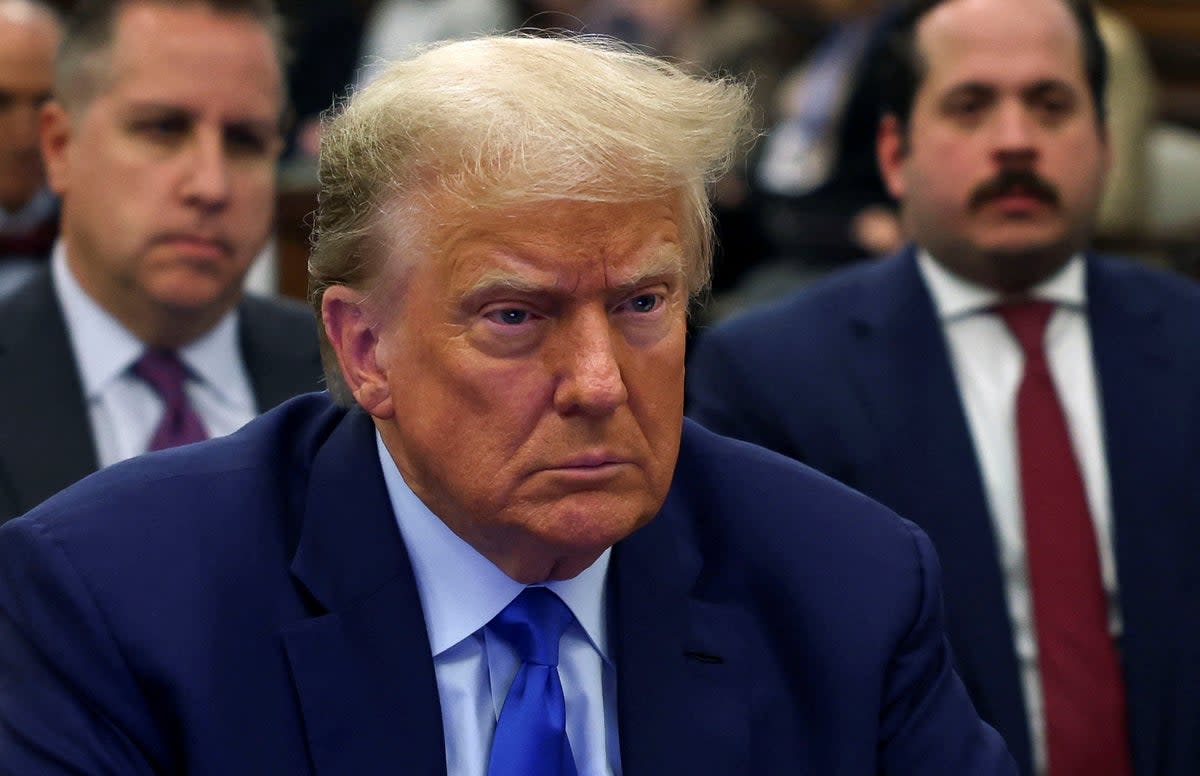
<point>495,280</point>
<point>665,265</point>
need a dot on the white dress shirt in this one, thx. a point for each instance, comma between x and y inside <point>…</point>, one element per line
<point>124,411</point>
<point>988,364</point>
<point>461,591</point>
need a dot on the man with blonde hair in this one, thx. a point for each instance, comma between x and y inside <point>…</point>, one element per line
<point>509,554</point>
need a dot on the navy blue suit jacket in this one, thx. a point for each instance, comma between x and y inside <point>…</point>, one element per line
<point>247,606</point>
<point>853,377</point>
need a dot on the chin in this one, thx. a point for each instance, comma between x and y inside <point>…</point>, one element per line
<point>594,524</point>
<point>195,293</point>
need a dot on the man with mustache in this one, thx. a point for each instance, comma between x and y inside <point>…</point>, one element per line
<point>1034,407</point>
<point>161,141</point>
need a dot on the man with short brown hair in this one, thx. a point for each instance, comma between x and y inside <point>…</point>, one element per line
<point>162,144</point>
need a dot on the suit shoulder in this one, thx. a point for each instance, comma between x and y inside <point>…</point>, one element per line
<point>219,484</point>
<point>811,305</point>
<point>277,311</point>
<point>811,324</point>
<point>1165,284</point>
<point>773,495</point>
<point>34,294</point>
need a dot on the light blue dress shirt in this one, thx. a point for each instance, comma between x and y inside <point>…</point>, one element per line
<point>461,591</point>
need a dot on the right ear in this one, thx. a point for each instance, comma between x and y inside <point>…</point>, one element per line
<point>350,332</point>
<point>891,149</point>
<point>55,132</point>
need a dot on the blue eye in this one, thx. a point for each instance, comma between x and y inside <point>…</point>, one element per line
<point>510,316</point>
<point>645,303</point>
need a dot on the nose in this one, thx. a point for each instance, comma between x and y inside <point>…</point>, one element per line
<point>589,379</point>
<point>206,178</point>
<point>1015,135</point>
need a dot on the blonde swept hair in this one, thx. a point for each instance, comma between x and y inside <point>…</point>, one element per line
<point>509,120</point>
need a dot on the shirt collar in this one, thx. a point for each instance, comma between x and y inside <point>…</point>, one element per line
<point>216,360</point>
<point>955,297</point>
<point>461,590</point>
<point>105,349</point>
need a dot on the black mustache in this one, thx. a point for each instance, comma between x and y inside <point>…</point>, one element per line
<point>1012,181</point>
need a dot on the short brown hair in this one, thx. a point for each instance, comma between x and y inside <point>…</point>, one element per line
<point>88,36</point>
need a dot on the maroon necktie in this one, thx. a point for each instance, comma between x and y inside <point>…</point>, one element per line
<point>1082,688</point>
<point>165,373</point>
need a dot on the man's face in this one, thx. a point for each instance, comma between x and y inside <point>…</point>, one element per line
<point>1001,168</point>
<point>28,40</point>
<point>528,377</point>
<point>167,173</point>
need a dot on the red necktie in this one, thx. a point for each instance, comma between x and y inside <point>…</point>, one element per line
<point>165,373</point>
<point>1082,688</point>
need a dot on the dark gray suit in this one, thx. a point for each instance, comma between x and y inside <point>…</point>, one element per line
<point>45,435</point>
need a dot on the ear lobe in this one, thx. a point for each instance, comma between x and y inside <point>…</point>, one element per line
<point>54,134</point>
<point>356,345</point>
<point>891,149</point>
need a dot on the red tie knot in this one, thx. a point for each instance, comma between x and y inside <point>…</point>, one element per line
<point>1027,320</point>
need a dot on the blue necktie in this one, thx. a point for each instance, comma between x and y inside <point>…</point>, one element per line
<point>531,734</point>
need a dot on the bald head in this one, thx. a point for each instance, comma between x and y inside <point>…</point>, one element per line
<point>29,37</point>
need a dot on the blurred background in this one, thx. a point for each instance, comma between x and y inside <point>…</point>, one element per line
<point>806,198</point>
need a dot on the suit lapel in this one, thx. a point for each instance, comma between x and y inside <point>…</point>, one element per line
<point>1147,446</point>
<point>362,668</point>
<point>682,687</point>
<point>45,436</point>
<point>928,472</point>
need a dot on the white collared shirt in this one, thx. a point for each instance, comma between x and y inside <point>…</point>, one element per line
<point>124,411</point>
<point>988,365</point>
<point>461,591</point>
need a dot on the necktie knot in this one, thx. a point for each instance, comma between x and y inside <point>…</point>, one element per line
<point>533,624</point>
<point>162,370</point>
<point>1027,321</point>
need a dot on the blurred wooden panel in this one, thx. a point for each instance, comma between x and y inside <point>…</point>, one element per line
<point>297,199</point>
